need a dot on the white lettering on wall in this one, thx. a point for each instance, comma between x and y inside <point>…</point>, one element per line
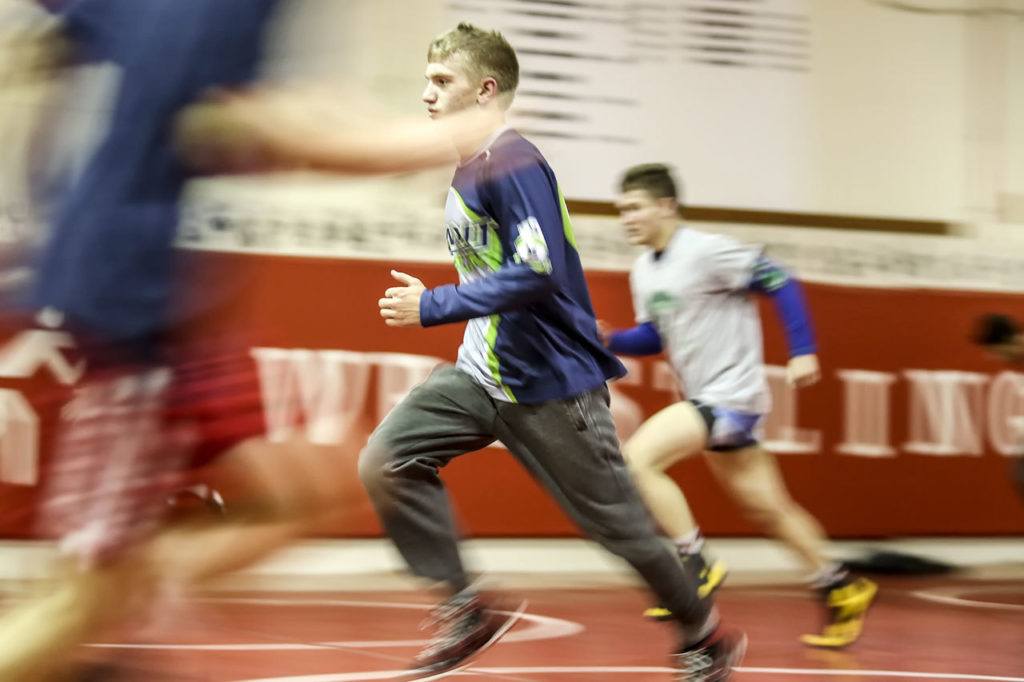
<point>781,433</point>
<point>19,439</point>
<point>25,354</point>
<point>321,394</point>
<point>945,412</point>
<point>866,409</point>
<point>1006,413</point>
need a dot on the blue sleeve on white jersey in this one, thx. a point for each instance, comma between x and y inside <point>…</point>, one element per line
<point>642,339</point>
<point>523,199</point>
<point>728,262</point>
<point>787,294</point>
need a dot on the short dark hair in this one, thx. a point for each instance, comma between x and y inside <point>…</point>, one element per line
<point>994,329</point>
<point>655,178</point>
<point>487,53</point>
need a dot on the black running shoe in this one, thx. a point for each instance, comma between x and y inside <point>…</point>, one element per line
<point>466,625</point>
<point>712,659</point>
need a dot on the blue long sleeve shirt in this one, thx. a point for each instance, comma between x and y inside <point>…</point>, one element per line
<point>109,262</point>
<point>531,334</point>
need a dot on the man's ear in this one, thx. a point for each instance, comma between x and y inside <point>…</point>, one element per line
<point>488,90</point>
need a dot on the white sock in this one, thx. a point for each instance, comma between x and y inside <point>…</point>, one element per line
<point>691,543</point>
<point>828,576</point>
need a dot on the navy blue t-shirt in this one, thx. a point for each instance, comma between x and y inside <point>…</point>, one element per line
<point>531,335</point>
<point>109,262</point>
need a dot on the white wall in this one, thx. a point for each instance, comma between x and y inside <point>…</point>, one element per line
<point>1012,185</point>
<point>898,114</point>
<point>888,94</point>
<point>367,49</point>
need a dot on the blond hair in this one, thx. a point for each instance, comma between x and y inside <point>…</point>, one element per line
<point>487,54</point>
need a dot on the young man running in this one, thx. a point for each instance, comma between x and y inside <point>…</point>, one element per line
<point>531,373</point>
<point>692,294</point>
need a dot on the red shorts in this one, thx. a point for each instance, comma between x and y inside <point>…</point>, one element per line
<point>131,434</point>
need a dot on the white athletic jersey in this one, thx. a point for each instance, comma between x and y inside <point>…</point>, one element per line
<point>696,294</point>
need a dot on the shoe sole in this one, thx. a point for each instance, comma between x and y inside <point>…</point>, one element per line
<point>822,642</point>
<point>514,617</point>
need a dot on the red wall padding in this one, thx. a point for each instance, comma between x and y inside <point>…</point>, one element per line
<point>332,304</point>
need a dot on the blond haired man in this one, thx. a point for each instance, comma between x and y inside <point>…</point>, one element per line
<point>531,372</point>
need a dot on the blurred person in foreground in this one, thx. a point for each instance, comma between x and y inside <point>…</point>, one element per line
<point>531,372</point>
<point>159,396</point>
<point>693,295</point>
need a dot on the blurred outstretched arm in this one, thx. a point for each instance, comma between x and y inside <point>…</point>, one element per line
<point>267,129</point>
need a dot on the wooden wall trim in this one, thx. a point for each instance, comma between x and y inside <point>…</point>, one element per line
<point>711,214</point>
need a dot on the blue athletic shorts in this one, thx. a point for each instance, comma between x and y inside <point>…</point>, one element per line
<point>728,429</point>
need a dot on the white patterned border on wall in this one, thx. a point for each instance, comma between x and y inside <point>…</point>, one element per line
<point>381,229</point>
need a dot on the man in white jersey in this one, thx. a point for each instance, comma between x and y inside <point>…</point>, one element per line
<point>692,297</point>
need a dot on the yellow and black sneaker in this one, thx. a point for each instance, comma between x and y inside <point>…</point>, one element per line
<point>846,606</point>
<point>709,579</point>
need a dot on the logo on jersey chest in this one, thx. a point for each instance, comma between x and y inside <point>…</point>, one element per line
<point>662,307</point>
<point>661,303</point>
<point>462,235</point>
<point>474,245</point>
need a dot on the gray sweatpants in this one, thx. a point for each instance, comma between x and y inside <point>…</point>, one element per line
<point>569,446</point>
